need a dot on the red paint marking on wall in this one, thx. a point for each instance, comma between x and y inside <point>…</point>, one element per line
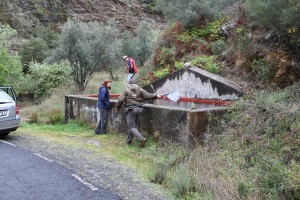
<point>112,96</point>
<point>202,101</point>
<point>182,99</point>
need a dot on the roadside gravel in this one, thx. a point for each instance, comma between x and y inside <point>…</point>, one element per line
<point>94,168</point>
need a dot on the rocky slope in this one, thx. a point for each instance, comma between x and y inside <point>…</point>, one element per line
<point>24,15</point>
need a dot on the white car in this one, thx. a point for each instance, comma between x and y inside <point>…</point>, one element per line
<point>9,112</point>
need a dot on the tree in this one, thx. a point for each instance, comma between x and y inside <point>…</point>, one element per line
<point>128,45</point>
<point>88,47</point>
<point>10,69</point>
<point>10,65</point>
<point>6,33</point>
<point>145,41</point>
<point>142,45</point>
<point>35,49</point>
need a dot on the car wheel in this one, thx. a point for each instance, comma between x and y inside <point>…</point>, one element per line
<point>2,135</point>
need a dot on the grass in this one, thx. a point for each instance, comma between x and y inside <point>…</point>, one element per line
<point>111,145</point>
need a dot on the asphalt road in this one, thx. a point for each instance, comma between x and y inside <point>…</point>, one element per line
<point>29,176</point>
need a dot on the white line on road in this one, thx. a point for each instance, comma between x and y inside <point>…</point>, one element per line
<point>8,143</point>
<point>84,182</point>
<point>43,157</point>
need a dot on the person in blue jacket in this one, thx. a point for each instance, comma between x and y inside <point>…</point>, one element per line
<point>103,106</point>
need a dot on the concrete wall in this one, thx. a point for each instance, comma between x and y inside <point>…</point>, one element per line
<point>184,126</point>
<point>197,83</point>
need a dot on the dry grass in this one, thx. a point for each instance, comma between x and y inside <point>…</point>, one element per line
<point>53,103</point>
<point>218,174</point>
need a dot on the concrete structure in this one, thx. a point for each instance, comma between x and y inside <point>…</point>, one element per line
<point>181,124</point>
<point>194,82</point>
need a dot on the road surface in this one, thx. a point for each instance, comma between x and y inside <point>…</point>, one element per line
<point>27,175</point>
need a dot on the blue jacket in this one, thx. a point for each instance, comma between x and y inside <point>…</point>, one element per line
<point>103,98</point>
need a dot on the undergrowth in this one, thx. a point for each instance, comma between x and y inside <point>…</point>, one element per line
<point>261,137</point>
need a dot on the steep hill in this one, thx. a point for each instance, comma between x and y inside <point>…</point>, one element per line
<point>24,15</point>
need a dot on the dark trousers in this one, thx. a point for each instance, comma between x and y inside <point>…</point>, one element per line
<point>102,122</point>
<point>132,120</point>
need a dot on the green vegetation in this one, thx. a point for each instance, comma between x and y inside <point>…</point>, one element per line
<point>252,152</point>
<point>46,78</point>
<point>161,73</point>
<point>192,13</point>
<point>206,62</point>
<point>280,17</point>
<point>88,47</point>
<point>10,68</point>
<point>261,137</point>
<point>6,34</point>
<point>35,49</point>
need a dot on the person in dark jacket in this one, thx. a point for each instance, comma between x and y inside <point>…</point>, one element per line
<point>134,95</point>
<point>103,106</point>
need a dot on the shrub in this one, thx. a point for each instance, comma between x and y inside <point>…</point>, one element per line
<point>6,33</point>
<point>33,118</point>
<point>218,46</point>
<point>181,180</point>
<point>167,57</point>
<point>35,49</point>
<point>262,70</point>
<point>10,69</point>
<point>192,13</point>
<point>47,77</point>
<point>161,167</point>
<point>179,65</point>
<point>206,62</point>
<point>55,117</point>
<point>162,72</point>
<point>48,35</point>
<point>281,17</point>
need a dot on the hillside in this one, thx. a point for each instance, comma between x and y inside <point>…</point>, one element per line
<point>251,152</point>
<point>24,15</point>
<point>261,46</point>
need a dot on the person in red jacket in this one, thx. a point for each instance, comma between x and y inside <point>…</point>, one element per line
<point>130,67</point>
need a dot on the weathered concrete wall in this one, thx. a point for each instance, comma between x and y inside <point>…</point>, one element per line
<point>183,125</point>
<point>180,125</point>
<point>197,83</point>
